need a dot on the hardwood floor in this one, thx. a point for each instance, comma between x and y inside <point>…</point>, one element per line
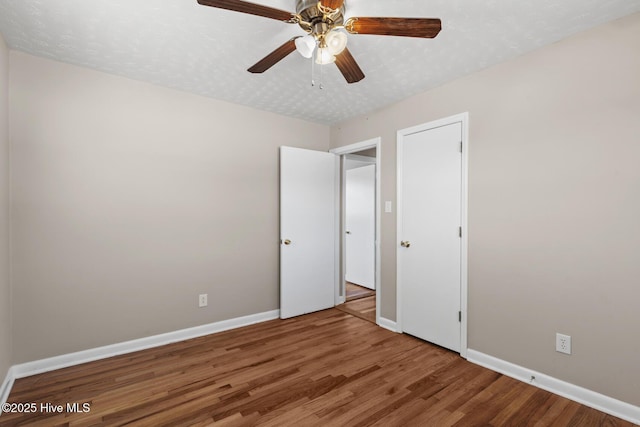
<point>323,369</point>
<point>364,308</point>
<point>354,291</point>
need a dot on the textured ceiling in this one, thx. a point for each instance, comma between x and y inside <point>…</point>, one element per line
<point>182,45</point>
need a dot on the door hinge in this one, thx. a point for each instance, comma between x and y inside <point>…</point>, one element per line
<point>460,316</point>
<point>460,232</point>
<point>461,146</point>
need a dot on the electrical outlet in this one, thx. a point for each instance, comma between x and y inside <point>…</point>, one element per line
<point>202,300</point>
<point>563,343</point>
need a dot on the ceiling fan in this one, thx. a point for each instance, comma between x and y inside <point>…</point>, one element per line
<point>323,21</point>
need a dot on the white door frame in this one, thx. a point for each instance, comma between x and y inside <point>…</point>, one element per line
<point>464,120</point>
<point>341,151</point>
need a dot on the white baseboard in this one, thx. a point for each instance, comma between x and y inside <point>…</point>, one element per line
<point>58,362</point>
<point>590,398</point>
<point>7,384</point>
<point>388,324</point>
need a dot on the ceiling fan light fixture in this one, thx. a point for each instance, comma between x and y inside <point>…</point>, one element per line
<point>336,41</point>
<point>324,56</point>
<point>326,28</point>
<point>306,45</point>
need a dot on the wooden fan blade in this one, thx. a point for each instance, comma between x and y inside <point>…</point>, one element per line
<point>250,8</point>
<point>332,4</point>
<point>349,67</point>
<point>274,57</point>
<point>405,27</point>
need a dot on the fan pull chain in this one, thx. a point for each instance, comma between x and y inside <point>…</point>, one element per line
<point>313,73</point>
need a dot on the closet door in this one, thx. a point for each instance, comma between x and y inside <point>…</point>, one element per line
<point>429,234</point>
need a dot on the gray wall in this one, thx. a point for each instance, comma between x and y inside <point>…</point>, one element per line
<point>554,202</point>
<point>129,200</point>
<point>5,290</point>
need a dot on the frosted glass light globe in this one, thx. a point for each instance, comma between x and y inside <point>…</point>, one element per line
<point>324,56</point>
<point>336,41</point>
<point>306,45</point>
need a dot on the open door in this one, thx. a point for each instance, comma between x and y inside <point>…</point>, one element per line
<point>360,222</point>
<point>307,231</point>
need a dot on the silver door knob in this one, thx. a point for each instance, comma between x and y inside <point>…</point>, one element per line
<point>287,242</point>
<point>405,243</point>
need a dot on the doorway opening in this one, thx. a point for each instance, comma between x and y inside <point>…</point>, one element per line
<point>358,287</point>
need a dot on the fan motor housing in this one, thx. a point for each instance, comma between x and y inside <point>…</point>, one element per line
<point>310,13</point>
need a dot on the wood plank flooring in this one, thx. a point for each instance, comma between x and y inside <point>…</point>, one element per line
<point>354,291</point>
<point>323,369</point>
<point>364,308</point>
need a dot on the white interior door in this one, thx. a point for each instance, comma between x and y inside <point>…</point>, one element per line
<point>307,230</point>
<point>429,221</point>
<point>360,227</point>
